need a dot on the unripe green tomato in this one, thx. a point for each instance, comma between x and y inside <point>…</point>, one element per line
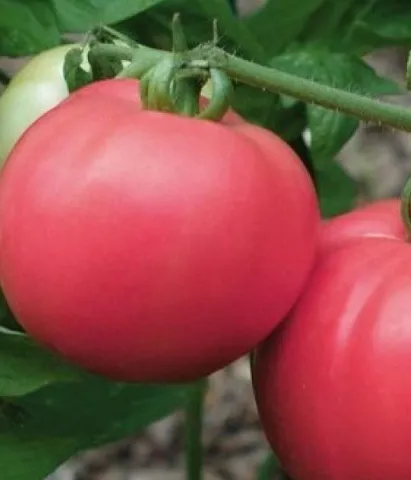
<point>35,89</point>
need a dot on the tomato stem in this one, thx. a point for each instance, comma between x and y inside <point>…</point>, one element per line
<point>159,85</point>
<point>406,207</point>
<point>194,428</point>
<point>220,97</point>
<point>168,85</point>
<point>187,90</point>
<point>271,79</point>
<point>179,39</point>
<point>206,57</point>
<point>117,51</point>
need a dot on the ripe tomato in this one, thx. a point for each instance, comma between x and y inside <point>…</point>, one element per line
<point>332,383</point>
<point>146,246</point>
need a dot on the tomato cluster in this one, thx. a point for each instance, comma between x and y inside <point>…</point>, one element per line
<point>150,247</point>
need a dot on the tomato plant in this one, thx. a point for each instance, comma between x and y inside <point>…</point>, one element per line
<point>332,383</point>
<point>149,245</point>
<point>175,253</point>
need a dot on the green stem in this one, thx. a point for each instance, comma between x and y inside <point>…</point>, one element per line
<point>220,97</point>
<point>271,79</point>
<point>115,51</point>
<point>144,59</point>
<point>160,85</point>
<point>179,39</point>
<point>309,91</point>
<point>193,434</point>
<point>187,90</point>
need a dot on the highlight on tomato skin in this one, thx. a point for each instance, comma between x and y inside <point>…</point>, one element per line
<point>378,219</point>
<point>151,247</point>
<point>332,382</point>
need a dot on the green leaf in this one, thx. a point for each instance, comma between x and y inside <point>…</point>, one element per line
<point>299,145</point>
<point>265,109</point>
<point>74,74</point>
<point>154,26</point>
<point>337,190</point>
<point>327,19</point>
<point>102,67</point>
<point>4,77</point>
<point>329,129</point>
<point>26,27</point>
<point>233,27</point>
<point>25,367</point>
<point>49,410</point>
<point>7,319</point>
<point>279,22</point>
<point>45,428</point>
<point>269,468</point>
<point>360,26</point>
<point>257,106</point>
<point>385,24</point>
<point>82,15</point>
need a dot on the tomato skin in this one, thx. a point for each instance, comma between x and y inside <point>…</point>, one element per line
<point>145,246</point>
<point>378,219</point>
<point>332,383</point>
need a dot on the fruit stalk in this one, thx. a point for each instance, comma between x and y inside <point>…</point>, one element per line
<point>209,56</point>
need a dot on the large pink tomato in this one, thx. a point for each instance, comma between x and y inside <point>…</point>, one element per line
<point>146,246</point>
<point>333,383</point>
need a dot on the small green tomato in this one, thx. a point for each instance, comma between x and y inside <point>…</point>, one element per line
<point>35,89</point>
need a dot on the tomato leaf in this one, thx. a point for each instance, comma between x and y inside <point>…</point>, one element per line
<point>25,367</point>
<point>329,129</point>
<point>82,15</point>
<point>74,74</point>
<point>42,429</point>
<point>328,18</point>
<point>103,68</point>
<point>7,319</point>
<point>337,191</point>
<point>26,28</point>
<point>279,22</point>
<point>374,24</point>
<point>233,27</point>
<point>359,26</point>
<point>257,106</point>
<point>269,467</point>
<point>153,27</point>
<point>390,20</point>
